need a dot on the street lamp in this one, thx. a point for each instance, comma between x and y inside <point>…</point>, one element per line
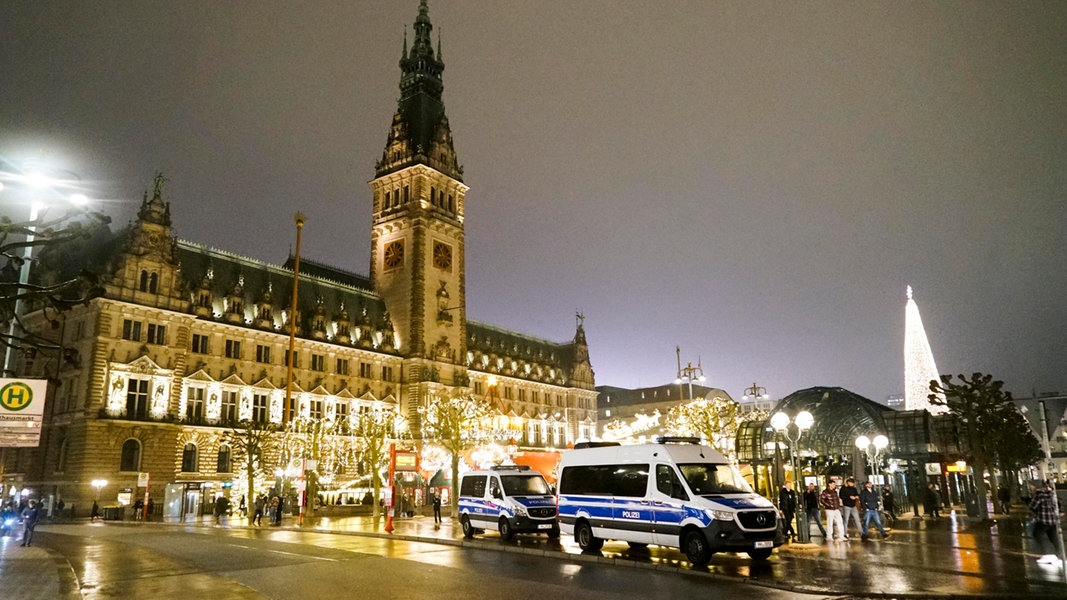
<point>874,449</point>
<point>793,429</point>
<point>98,484</point>
<point>39,182</point>
<point>755,392</point>
<point>688,373</point>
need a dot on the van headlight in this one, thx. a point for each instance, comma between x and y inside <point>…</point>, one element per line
<point>721,515</point>
<point>520,511</point>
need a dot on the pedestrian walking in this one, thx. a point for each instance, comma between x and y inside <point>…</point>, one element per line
<point>279,510</point>
<point>1043,506</point>
<point>257,515</point>
<point>94,513</point>
<point>933,501</point>
<point>138,509</point>
<point>222,506</point>
<point>869,503</point>
<point>850,497</point>
<point>151,508</point>
<point>30,516</point>
<point>811,508</point>
<point>830,500</point>
<point>242,507</point>
<point>436,508</point>
<point>787,503</point>
<point>889,502</point>
<point>1004,495</point>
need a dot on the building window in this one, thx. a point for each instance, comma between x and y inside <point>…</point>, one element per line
<point>131,330</point>
<point>522,395</point>
<point>200,343</point>
<point>137,399</point>
<point>260,408</point>
<point>366,371</point>
<point>387,373</point>
<point>341,413</point>
<point>229,407</point>
<point>194,406</point>
<point>233,348</point>
<point>478,387</point>
<point>315,408</point>
<point>262,353</point>
<point>131,456</point>
<point>507,393</point>
<point>318,362</point>
<point>157,334</point>
<point>149,282</point>
<point>222,465</point>
<point>189,459</point>
<point>342,366</point>
<point>296,359</point>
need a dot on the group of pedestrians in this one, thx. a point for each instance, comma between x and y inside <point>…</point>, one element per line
<point>272,507</point>
<point>842,506</point>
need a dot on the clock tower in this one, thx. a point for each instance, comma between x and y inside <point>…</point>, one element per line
<point>417,254</point>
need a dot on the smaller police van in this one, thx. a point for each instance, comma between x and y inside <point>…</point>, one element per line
<point>510,499</point>
<point>674,493</point>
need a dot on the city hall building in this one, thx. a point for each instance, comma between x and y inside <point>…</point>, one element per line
<point>187,340</point>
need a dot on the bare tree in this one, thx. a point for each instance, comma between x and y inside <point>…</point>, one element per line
<point>251,442</point>
<point>456,424</point>
<point>716,420</point>
<point>374,429</point>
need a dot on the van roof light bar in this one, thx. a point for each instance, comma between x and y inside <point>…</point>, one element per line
<point>510,468</point>
<point>674,439</point>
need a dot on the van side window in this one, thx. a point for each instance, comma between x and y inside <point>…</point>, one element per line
<point>473,486</point>
<point>494,488</point>
<point>604,480</point>
<point>668,483</point>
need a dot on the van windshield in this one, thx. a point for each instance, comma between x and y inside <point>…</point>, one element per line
<point>706,478</point>
<point>525,485</point>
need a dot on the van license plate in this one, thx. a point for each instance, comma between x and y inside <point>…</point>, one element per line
<point>767,544</point>
<point>545,526</point>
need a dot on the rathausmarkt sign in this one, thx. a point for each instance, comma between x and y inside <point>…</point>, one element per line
<point>21,411</point>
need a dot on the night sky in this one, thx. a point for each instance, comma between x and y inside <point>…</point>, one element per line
<point>755,182</point>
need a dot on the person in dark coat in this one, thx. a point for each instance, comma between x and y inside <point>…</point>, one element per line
<point>787,503</point>
<point>811,507</point>
<point>436,508</point>
<point>30,516</point>
<point>889,502</point>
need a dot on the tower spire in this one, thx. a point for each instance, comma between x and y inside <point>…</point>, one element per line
<point>420,133</point>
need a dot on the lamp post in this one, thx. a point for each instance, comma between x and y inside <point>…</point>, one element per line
<point>793,429</point>
<point>874,449</point>
<point>98,484</point>
<point>688,373</point>
<point>41,183</point>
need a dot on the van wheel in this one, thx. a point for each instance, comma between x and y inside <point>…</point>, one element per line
<point>583,534</point>
<point>696,548</point>
<point>761,554</point>
<point>468,529</point>
<point>506,532</point>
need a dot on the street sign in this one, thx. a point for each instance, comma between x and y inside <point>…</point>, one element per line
<point>21,412</point>
<point>142,480</point>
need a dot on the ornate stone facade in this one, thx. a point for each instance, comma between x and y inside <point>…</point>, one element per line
<point>187,340</point>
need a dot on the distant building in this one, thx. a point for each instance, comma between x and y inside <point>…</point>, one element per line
<point>643,411</point>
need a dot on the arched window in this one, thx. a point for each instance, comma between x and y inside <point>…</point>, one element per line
<point>189,459</point>
<point>223,464</point>
<point>144,281</point>
<point>153,282</point>
<point>131,456</point>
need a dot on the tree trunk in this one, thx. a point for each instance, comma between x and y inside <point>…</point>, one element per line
<point>455,483</point>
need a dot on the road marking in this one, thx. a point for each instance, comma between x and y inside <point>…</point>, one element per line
<point>284,552</point>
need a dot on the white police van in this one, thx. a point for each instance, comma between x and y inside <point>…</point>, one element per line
<point>512,499</point>
<point>673,493</point>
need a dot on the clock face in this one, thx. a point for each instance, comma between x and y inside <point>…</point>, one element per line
<point>394,255</point>
<point>442,256</point>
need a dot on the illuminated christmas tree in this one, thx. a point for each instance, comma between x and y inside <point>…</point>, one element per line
<point>919,367</point>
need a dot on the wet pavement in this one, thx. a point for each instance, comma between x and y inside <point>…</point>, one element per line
<point>951,557</point>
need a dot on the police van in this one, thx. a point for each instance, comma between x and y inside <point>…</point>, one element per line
<point>510,499</point>
<point>673,493</point>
